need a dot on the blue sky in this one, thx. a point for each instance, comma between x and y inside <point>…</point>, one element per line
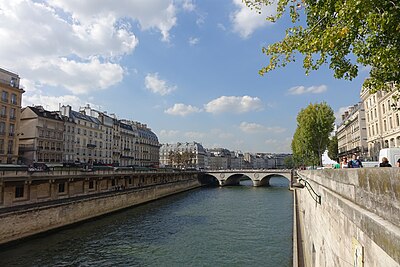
<point>188,69</point>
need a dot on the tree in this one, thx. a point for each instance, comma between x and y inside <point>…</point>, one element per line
<point>311,138</point>
<point>333,148</point>
<point>347,33</point>
<point>289,163</point>
<point>181,159</point>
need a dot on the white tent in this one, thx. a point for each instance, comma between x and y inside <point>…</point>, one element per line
<point>326,161</point>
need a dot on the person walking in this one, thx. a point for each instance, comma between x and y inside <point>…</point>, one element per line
<point>355,162</point>
<point>385,163</point>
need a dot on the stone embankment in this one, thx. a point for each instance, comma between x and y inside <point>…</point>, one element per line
<point>348,217</point>
<point>36,203</point>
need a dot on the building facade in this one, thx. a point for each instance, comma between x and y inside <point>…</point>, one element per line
<point>382,119</point>
<point>10,112</point>
<point>42,136</point>
<point>352,132</point>
<point>196,149</point>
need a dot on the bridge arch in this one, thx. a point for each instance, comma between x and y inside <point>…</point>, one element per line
<point>259,178</point>
<point>265,180</point>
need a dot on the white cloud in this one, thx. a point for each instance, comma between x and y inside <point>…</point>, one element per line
<point>279,145</point>
<point>193,40</point>
<point>52,102</point>
<point>155,14</point>
<point>197,136</point>
<point>188,5</point>
<point>245,21</point>
<point>182,110</point>
<point>339,113</point>
<point>222,134</point>
<point>234,104</point>
<point>248,127</point>
<point>158,86</point>
<point>76,44</point>
<point>168,133</point>
<point>221,26</point>
<point>299,90</point>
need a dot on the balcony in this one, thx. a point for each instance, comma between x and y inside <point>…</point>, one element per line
<point>91,146</point>
<point>25,148</point>
<point>127,149</point>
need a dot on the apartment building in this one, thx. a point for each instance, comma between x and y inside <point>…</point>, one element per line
<point>69,140</point>
<point>42,136</point>
<point>352,132</point>
<point>149,147</point>
<point>88,136</point>
<point>382,120</point>
<point>197,150</point>
<point>128,139</point>
<point>10,112</point>
<point>107,130</point>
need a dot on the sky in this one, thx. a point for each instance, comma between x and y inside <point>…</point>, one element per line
<point>186,68</point>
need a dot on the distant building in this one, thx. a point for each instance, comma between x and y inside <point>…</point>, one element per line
<point>10,112</point>
<point>199,153</point>
<point>352,132</point>
<point>43,136</point>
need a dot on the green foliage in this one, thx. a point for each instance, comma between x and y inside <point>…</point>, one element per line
<point>345,33</point>
<point>333,149</point>
<point>289,162</point>
<point>311,138</point>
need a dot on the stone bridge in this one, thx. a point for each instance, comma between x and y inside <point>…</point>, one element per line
<point>233,177</point>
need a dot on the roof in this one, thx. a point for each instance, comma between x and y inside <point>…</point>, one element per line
<point>41,112</point>
<point>80,116</point>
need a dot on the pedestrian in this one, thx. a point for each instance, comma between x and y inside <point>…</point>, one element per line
<point>355,162</point>
<point>344,163</point>
<point>398,163</point>
<point>385,163</point>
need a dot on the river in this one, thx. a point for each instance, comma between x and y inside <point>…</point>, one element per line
<point>212,226</point>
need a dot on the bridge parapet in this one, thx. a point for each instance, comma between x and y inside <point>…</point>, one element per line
<point>258,177</point>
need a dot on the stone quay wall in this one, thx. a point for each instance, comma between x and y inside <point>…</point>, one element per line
<point>42,207</point>
<point>356,223</point>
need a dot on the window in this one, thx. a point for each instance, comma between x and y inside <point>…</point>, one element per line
<point>91,184</point>
<point>3,111</point>
<point>1,146</point>
<point>61,187</point>
<point>4,96</point>
<point>2,128</point>
<point>10,146</point>
<point>11,130</point>
<point>384,125</point>
<point>383,108</point>
<point>12,113</point>
<point>397,120</point>
<point>113,182</point>
<point>19,191</point>
<point>14,99</point>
